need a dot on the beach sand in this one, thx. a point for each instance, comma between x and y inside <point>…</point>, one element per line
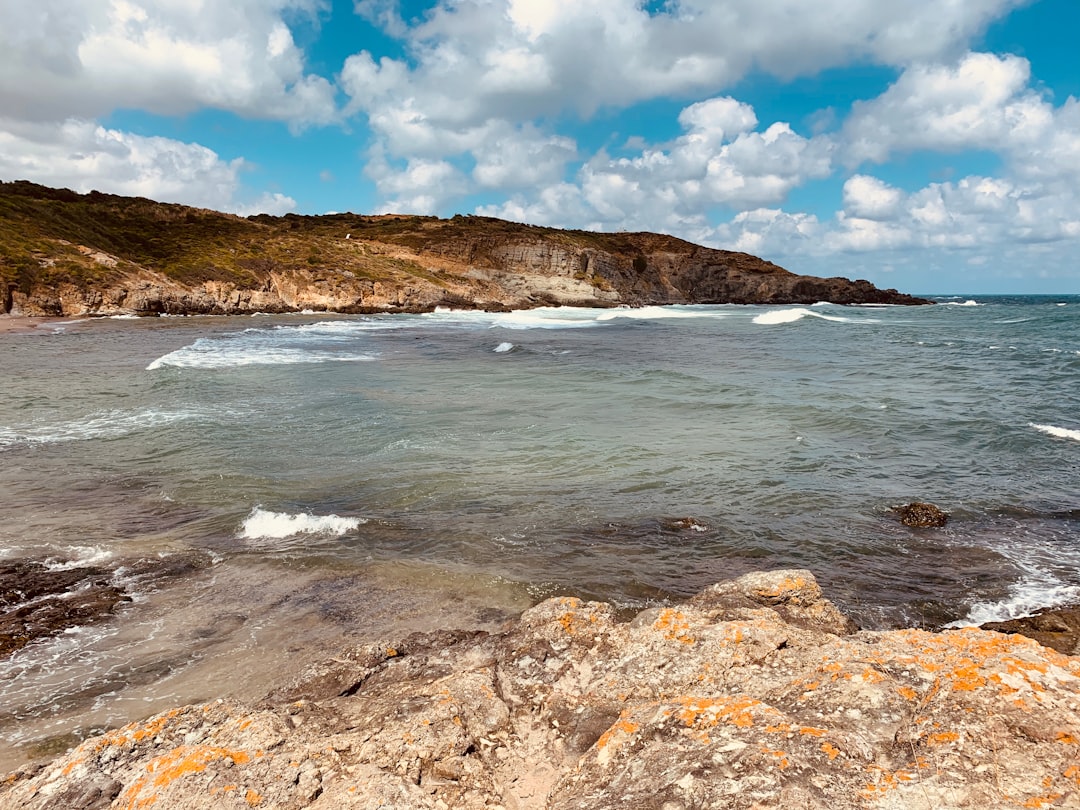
<point>17,324</point>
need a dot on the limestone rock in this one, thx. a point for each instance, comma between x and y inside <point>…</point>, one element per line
<point>719,702</point>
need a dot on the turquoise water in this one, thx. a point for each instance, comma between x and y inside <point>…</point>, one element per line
<point>346,477</point>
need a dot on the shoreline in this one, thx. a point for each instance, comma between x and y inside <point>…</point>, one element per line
<point>27,324</point>
<point>757,687</point>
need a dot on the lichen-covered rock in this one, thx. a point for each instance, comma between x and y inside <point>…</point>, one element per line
<point>741,698</point>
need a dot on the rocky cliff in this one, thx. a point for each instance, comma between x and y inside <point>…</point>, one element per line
<point>754,694</point>
<point>69,254</point>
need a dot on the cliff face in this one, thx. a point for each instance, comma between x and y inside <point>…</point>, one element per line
<point>63,253</point>
<point>756,693</point>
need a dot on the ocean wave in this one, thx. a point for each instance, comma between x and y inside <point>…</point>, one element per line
<point>107,425</point>
<point>1057,432</point>
<point>263,524</point>
<point>779,316</point>
<point>656,313</point>
<point>207,353</point>
<point>968,303</point>
<point>503,347</point>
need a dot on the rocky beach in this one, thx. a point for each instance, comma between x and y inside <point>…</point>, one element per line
<point>392,524</point>
<point>755,693</point>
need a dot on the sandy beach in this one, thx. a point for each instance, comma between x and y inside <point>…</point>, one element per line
<point>18,324</point>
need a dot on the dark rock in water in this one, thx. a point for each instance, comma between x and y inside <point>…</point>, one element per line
<point>1058,629</point>
<point>38,601</point>
<point>921,515</point>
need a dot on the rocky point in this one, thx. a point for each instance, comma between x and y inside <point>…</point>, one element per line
<point>756,693</point>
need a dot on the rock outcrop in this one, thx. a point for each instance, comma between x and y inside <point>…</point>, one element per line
<point>754,694</point>
<point>68,254</point>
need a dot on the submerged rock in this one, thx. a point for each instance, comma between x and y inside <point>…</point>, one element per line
<point>37,601</point>
<point>40,599</point>
<point>921,515</point>
<point>748,696</point>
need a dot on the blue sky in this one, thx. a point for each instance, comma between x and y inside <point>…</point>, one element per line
<point>928,146</point>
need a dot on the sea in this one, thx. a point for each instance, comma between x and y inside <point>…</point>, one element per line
<point>268,490</point>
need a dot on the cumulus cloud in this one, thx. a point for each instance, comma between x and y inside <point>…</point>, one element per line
<point>474,68</point>
<point>721,161</point>
<point>981,102</point>
<point>60,60</point>
<point>85,156</point>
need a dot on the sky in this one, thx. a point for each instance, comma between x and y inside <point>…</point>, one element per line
<point>931,145</point>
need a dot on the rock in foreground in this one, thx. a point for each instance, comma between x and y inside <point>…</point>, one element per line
<point>751,695</point>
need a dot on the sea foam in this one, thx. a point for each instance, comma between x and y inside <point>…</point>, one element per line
<point>778,316</point>
<point>102,425</point>
<point>1057,432</point>
<point>207,353</point>
<point>262,523</point>
<point>504,347</point>
<point>1025,599</point>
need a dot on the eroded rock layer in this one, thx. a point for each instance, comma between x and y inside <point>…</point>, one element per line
<point>754,694</point>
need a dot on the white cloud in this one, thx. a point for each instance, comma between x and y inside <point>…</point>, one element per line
<point>60,59</point>
<point>981,102</point>
<point>85,156</point>
<point>869,198</point>
<point>419,187</point>
<point>719,162</point>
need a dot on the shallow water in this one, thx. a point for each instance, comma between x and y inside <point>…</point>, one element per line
<point>353,477</point>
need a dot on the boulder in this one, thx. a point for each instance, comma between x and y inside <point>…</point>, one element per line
<point>921,515</point>
<point>718,702</point>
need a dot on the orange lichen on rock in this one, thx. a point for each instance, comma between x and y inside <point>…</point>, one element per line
<point>1043,801</point>
<point>830,749</point>
<point>786,586</point>
<point>615,736</point>
<point>176,764</point>
<point>674,625</point>
<point>782,761</point>
<point>736,711</point>
<point>252,798</point>
<point>943,737</point>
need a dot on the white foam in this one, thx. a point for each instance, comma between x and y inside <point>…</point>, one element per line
<point>81,557</point>
<point>276,525</point>
<point>1057,432</point>
<point>107,425</point>
<point>1025,599</point>
<point>778,316</point>
<point>504,347</point>
<point>656,313</point>
<point>968,303</point>
<point>209,353</point>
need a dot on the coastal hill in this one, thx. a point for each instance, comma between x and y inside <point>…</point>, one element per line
<point>69,254</point>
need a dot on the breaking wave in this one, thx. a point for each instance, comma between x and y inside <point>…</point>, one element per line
<point>262,523</point>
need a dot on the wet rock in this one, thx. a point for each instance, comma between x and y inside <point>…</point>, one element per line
<point>1058,629</point>
<point>921,515</point>
<point>718,702</point>
<point>38,601</point>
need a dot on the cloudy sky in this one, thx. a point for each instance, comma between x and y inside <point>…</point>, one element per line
<point>929,145</point>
